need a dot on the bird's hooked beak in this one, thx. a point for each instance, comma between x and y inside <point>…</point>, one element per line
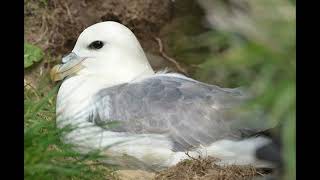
<point>71,64</point>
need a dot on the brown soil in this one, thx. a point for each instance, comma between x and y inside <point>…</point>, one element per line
<point>57,24</point>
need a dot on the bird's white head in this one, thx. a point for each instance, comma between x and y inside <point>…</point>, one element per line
<point>108,51</point>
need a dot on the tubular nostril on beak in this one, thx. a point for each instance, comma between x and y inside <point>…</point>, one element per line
<point>68,57</point>
<point>65,58</point>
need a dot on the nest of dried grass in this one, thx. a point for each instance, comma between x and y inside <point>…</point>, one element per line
<point>207,169</point>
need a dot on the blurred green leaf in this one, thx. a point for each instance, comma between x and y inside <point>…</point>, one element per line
<point>32,54</point>
<point>261,55</point>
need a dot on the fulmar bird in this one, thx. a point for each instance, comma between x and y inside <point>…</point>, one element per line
<point>117,103</point>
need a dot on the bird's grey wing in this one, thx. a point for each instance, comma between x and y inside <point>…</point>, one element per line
<point>189,112</point>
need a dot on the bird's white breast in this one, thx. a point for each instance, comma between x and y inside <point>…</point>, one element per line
<point>74,99</point>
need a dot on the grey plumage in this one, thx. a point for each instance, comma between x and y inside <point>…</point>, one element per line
<point>189,112</point>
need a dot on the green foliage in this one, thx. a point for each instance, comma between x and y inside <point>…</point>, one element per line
<point>44,2</point>
<point>46,156</point>
<point>32,54</point>
<point>181,27</point>
<point>261,55</point>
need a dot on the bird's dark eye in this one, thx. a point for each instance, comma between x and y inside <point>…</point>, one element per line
<point>96,45</point>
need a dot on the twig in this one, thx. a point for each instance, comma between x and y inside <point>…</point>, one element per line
<point>187,153</point>
<point>26,84</point>
<point>260,173</point>
<point>164,55</point>
<point>43,29</point>
<point>68,12</point>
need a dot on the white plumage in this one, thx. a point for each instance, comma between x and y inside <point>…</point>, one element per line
<point>107,78</point>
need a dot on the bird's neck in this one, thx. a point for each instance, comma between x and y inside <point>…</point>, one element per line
<point>113,72</point>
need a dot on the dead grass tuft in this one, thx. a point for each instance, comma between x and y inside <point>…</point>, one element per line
<point>207,169</point>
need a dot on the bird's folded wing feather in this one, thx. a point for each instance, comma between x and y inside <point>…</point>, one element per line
<point>190,113</point>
